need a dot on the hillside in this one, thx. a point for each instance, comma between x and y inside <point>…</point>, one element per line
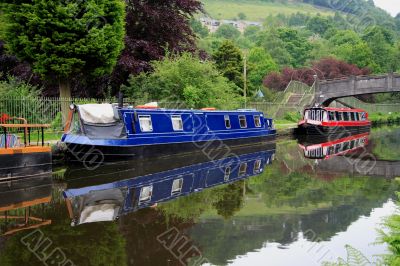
<point>258,10</point>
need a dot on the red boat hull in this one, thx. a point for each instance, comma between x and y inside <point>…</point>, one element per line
<point>326,129</point>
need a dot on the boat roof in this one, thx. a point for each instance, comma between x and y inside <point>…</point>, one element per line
<point>338,109</point>
<point>193,110</point>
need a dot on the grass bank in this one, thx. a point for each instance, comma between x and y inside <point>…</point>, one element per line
<point>257,10</point>
<point>381,118</point>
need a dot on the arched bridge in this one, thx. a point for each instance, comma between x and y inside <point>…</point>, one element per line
<point>327,91</point>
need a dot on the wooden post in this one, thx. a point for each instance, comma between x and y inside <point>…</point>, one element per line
<point>65,95</point>
<point>245,80</point>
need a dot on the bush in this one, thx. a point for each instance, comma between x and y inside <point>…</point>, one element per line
<point>13,87</point>
<point>292,116</point>
<point>185,79</point>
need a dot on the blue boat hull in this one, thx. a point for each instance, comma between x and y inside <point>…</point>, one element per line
<point>94,153</point>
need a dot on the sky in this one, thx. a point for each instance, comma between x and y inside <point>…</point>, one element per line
<point>391,6</point>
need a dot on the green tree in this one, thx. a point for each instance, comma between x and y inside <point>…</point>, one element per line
<point>242,16</point>
<point>251,33</point>
<point>397,20</point>
<point>381,43</point>
<point>229,60</point>
<point>198,28</point>
<point>319,25</point>
<point>260,64</point>
<point>270,41</point>
<point>358,54</point>
<point>63,39</point>
<point>227,31</point>
<point>184,78</point>
<point>297,46</point>
<point>345,37</point>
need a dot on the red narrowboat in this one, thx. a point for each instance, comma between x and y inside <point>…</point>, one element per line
<point>329,121</point>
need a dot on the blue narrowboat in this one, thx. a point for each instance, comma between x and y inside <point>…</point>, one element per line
<point>92,201</point>
<point>108,131</point>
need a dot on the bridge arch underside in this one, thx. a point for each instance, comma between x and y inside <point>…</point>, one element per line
<point>329,91</point>
<point>329,101</point>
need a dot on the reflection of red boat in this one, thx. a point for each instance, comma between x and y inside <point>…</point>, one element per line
<point>336,147</point>
<point>328,121</point>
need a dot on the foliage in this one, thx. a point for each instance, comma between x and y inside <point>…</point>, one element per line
<point>297,46</point>
<point>328,68</point>
<point>392,238</point>
<point>227,31</point>
<point>198,28</point>
<point>381,42</point>
<point>251,33</point>
<point>14,87</point>
<point>260,63</point>
<point>271,42</point>
<point>242,16</point>
<point>87,36</point>
<point>354,258</point>
<point>152,28</point>
<point>184,78</point>
<point>381,118</point>
<point>319,25</point>
<point>292,117</point>
<point>228,59</point>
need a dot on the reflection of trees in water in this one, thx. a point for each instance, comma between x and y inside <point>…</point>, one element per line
<point>344,200</point>
<point>88,244</point>
<point>230,199</point>
<point>222,241</point>
<point>141,229</point>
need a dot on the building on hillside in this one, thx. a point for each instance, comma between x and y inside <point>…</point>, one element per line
<point>213,24</point>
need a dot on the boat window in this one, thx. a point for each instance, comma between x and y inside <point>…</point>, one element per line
<point>318,118</point>
<point>332,116</point>
<point>307,114</point>
<point>227,173</point>
<point>146,193</point>
<point>243,169</point>
<point>338,116</point>
<point>257,121</point>
<point>354,116</point>
<point>145,123</point>
<point>257,166</point>
<point>177,124</point>
<point>177,185</point>
<point>346,116</point>
<point>227,121</point>
<point>352,144</point>
<point>242,121</point>
<point>363,116</point>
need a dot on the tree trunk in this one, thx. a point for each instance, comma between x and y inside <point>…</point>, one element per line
<point>65,95</point>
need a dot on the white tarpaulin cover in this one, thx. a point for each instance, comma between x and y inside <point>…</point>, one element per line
<point>97,113</point>
<point>99,213</point>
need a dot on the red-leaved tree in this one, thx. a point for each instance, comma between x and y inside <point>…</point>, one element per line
<point>327,68</point>
<point>152,28</point>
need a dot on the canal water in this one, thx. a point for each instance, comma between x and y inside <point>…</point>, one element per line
<point>293,203</point>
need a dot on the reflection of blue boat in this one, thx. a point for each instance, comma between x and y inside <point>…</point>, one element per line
<point>131,132</point>
<point>106,202</point>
